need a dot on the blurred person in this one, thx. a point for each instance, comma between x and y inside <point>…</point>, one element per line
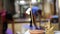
<point>12,9</point>
<point>5,16</point>
<point>35,12</point>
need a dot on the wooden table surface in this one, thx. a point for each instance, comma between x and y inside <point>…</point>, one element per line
<point>36,31</point>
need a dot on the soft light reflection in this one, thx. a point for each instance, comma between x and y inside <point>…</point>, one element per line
<point>29,19</point>
<point>33,1</point>
<point>39,0</point>
<point>17,1</point>
<point>59,3</point>
<point>22,2</point>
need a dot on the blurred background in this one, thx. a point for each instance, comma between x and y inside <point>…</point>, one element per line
<point>18,8</point>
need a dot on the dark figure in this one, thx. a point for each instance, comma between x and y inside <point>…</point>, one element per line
<point>35,12</point>
<point>7,17</point>
<point>4,18</point>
